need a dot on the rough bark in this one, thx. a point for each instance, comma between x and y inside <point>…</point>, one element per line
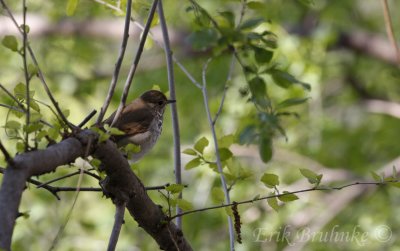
<point>121,184</point>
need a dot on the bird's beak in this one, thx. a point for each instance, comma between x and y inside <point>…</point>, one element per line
<point>171,101</point>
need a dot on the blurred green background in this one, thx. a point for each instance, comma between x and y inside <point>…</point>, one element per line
<point>348,127</point>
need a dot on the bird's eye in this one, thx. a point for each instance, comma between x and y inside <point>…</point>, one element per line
<point>160,102</point>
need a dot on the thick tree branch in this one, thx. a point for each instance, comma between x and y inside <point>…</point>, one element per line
<point>24,166</point>
<point>122,185</point>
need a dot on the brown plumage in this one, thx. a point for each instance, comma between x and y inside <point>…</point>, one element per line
<point>141,120</point>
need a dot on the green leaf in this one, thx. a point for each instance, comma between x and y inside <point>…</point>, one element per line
<point>226,141</point>
<point>203,39</point>
<point>259,91</point>
<point>291,102</point>
<point>287,197</point>
<point>41,135</point>
<point>265,149</point>
<point>20,92</point>
<point>376,176</point>
<point>116,131</point>
<point>32,69</point>
<point>225,154</point>
<point>311,176</point>
<point>217,195</point>
<point>190,151</point>
<point>193,163</point>
<point>34,127</point>
<point>20,147</point>
<point>71,7</point>
<point>10,42</point>
<point>53,133</point>
<point>184,204</point>
<point>248,134</point>
<point>175,188</point>
<point>270,180</point>
<point>12,124</point>
<point>25,28</point>
<point>251,23</point>
<point>285,80</point>
<point>255,5</point>
<point>132,148</point>
<point>35,106</point>
<point>201,144</point>
<point>273,203</point>
<point>229,17</point>
<point>262,55</point>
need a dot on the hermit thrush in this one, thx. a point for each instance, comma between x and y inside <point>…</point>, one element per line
<point>141,120</point>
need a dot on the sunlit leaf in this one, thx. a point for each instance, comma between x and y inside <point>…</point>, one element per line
<point>270,180</point>
<point>71,7</point>
<point>193,163</point>
<point>376,176</point>
<point>175,188</point>
<point>225,154</point>
<point>287,197</point>
<point>201,144</point>
<point>184,204</point>
<point>189,151</point>
<point>218,195</point>
<point>273,203</point>
<point>311,176</point>
<point>226,141</point>
<point>12,124</point>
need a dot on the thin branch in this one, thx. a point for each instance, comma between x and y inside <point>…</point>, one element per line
<point>67,176</point>
<point>88,117</point>
<point>39,71</point>
<point>117,68</point>
<point>389,28</point>
<point>279,195</point>
<point>227,81</point>
<point>217,154</point>
<point>135,62</point>
<point>7,156</point>
<point>174,110</point>
<point>27,80</point>
<point>12,97</point>
<point>118,221</point>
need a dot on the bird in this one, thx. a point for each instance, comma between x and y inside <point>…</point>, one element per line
<point>141,121</point>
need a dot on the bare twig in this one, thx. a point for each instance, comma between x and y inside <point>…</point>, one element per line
<point>324,188</point>
<point>117,68</point>
<point>217,154</point>
<point>67,176</point>
<point>118,221</point>
<point>39,71</point>
<point>27,80</point>
<point>389,28</point>
<point>227,81</point>
<point>88,117</point>
<point>135,62</point>
<point>7,156</point>
<point>13,97</point>
<point>174,111</point>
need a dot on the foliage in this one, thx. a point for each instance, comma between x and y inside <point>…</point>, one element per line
<point>291,116</point>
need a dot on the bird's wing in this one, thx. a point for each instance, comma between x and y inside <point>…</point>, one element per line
<point>134,121</point>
